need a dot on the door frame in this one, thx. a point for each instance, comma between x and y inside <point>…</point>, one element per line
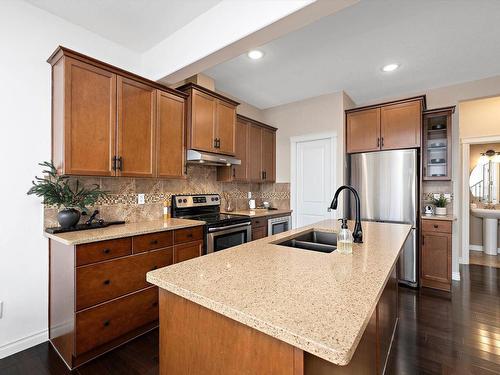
<point>294,141</point>
<point>465,207</point>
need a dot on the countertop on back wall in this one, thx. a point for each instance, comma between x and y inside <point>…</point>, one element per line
<point>123,230</point>
<point>259,212</point>
<point>439,217</point>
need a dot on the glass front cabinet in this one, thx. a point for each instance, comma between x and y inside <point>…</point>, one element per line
<point>436,152</point>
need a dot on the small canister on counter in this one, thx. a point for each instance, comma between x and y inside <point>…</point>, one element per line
<point>166,209</point>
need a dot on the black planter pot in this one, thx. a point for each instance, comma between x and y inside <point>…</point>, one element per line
<point>68,217</point>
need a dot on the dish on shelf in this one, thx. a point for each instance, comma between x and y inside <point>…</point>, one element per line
<point>436,144</point>
<point>438,161</point>
<point>438,127</point>
<point>438,175</point>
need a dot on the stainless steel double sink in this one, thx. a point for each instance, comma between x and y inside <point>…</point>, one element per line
<point>323,242</point>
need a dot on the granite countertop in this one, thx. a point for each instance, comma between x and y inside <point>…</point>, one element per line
<point>258,212</point>
<point>439,217</point>
<point>317,302</point>
<point>123,230</point>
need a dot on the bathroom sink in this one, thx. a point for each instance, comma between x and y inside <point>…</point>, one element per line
<point>323,242</point>
<point>486,213</point>
<point>490,228</point>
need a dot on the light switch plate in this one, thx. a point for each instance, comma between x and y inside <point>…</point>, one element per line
<point>140,199</point>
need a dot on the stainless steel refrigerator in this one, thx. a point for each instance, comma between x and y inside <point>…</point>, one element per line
<point>387,183</point>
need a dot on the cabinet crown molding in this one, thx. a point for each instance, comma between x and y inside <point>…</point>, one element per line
<point>378,105</point>
<point>193,86</point>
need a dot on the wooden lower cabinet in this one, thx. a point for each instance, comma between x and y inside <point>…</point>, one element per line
<point>229,347</point>
<point>259,228</point>
<point>435,254</point>
<point>98,294</point>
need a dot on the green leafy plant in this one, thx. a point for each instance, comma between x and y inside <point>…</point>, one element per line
<point>441,201</point>
<point>60,191</point>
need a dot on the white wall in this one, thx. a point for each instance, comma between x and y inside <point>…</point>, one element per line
<point>320,114</point>
<point>27,38</point>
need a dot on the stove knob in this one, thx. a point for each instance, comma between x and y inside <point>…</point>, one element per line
<point>185,200</point>
<point>213,199</point>
<point>216,198</point>
<point>179,200</point>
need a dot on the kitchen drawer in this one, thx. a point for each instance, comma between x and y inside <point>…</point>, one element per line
<point>259,222</point>
<point>106,322</point>
<point>101,282</point>
<point>441,226</point>
<point>187,251</point>
<point>103,250</point>
<point>152,241</point>
<point>188,235</point>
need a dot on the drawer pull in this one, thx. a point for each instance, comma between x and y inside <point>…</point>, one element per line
<point>154,304</point>
<point>154,242</point>
<point>106,251</point>
<point>190,235</point>
<point>107,282</point>
<point>436,226</point>
<point>106,323</point>
<point>154,268</point>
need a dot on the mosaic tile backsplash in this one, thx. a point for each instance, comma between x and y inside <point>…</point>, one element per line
<point>121,202</point>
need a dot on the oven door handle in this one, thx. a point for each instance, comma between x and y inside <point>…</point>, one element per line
<point>212,230</point>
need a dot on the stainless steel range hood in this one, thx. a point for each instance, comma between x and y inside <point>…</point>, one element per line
<point>207,158</point>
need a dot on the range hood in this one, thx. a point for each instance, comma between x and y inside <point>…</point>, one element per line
<point>207,158</point>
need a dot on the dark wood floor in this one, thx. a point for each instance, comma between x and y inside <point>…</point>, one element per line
<point>437,334</point>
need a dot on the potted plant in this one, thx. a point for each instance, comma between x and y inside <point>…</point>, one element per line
<point>61,191</point>
<point>440,202</point>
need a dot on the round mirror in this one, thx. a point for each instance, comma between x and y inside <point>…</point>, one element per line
<point>484,182</point>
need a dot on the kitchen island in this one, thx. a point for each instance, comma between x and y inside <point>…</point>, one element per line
<point>263,308</point>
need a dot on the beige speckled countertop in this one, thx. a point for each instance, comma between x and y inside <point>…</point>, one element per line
<point>259,212</point>
<point>317,302</point>
<point>439,217</point>
<point>123,230</point>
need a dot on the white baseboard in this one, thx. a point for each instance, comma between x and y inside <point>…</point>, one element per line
<point>455,276</point>
<point>480,248</point>
<point>24,343</point>
<point>476,247</point>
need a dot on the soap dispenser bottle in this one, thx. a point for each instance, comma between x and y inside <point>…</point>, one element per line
<point>344,238</point>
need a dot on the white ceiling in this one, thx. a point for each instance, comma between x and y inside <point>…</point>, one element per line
<point>437,43</point>
<point>135,24</point>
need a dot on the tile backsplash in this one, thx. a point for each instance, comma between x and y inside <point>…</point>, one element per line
<point>121,202</point>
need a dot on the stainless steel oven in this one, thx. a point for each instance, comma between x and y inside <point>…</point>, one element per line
<point>220,238</point>
<point>279,224</point>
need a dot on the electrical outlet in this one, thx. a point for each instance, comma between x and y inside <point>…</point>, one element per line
<point>141,199</point>
<point>1,309</point>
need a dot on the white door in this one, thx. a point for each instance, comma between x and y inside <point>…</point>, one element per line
<point>313,181</point>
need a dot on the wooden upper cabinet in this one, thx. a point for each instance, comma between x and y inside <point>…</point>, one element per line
<point>240,172</point>
<point>202,124</point>
<point>255,154</point>
<point>225,127</point>
<point>388,126</point>
<point>268,155</point>
<point>84,118</point>
<point>170,135</point>
<point>136,128</point>
<point>211,120</point>
<point>401,125</point>
<point>363,130</point>
<point>104,120</point>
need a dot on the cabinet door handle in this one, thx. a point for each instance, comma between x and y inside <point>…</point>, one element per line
<point>234,172</point>
<point>262,175</point>
<point>154,304</point>
<point>106,251</point>
<point>423,240</point>
<point>106,323</point>
<point>215,142</point>
<point>154,242</point>
<point>107,282</point>
<point>382,142</point>
<point>218,142</point>
<point>436,226</point>
<point>378,142</point>
<point>189,235</point>
<point>113,162</point>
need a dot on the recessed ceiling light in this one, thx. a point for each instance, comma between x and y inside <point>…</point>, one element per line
<point>255,54</point>
<point>390,67</point>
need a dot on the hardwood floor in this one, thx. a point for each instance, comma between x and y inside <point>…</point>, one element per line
<point>437,334</point>
<point>480,258</point>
